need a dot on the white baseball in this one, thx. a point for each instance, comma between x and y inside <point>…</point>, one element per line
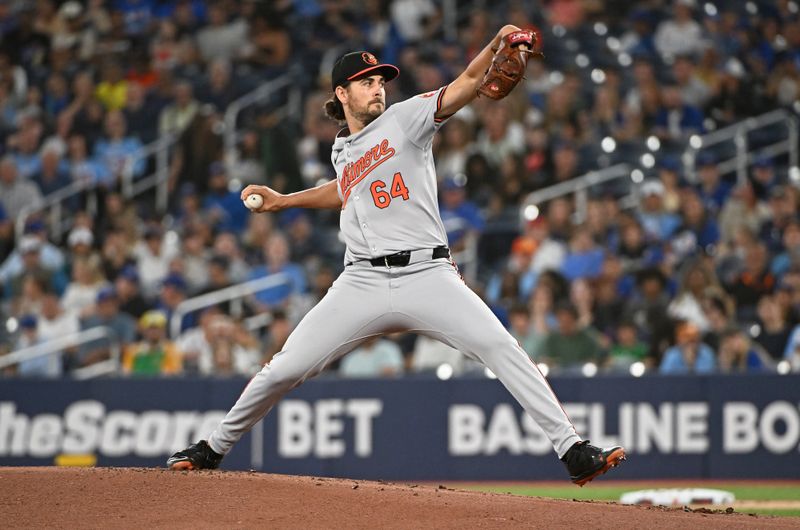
<point>254,201</point>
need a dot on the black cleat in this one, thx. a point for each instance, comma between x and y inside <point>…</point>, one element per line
<point>196,456</point>
<point>585,462</point>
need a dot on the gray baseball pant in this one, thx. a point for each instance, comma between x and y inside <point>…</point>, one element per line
<point>427,297</point>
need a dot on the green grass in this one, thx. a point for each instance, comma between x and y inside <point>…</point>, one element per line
<point>612,492</point>
<point>770,511</point>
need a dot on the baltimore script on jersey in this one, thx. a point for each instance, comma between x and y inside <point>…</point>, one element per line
<point>363,166</point>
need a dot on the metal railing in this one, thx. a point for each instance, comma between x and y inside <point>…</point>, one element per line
<point>53,203</point>
<point>578,186</point>
<point>56,346</point>
<point>254,97</point>
<point>737,133</point>
<point>233,292</point>
<point>159,179</point>
<point>261,320</point>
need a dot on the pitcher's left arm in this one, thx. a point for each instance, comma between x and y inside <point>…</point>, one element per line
<point>465,88</point>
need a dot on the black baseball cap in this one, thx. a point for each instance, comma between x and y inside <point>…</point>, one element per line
<point>355,65</point>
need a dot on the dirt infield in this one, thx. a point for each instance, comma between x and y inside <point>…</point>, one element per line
<point>153,498</point>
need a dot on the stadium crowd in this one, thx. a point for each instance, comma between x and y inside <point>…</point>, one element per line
<point>701,275</point>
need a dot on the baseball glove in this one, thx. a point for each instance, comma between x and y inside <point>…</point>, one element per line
<point>509,62</point>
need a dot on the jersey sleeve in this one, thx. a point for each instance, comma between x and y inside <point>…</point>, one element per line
<point>416,116</point>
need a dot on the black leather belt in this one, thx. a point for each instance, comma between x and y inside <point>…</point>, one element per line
<point>401,259</point>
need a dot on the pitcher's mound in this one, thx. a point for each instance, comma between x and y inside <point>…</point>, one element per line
<point>155,498</point>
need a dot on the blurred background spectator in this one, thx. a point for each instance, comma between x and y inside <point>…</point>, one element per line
<point>154,354</point>
<point>689,354</point>
<point>569,344</point>
<point>377,357</point>
<point>107,312</point>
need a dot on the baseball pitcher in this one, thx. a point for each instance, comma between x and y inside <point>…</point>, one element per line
<point>398,273</point>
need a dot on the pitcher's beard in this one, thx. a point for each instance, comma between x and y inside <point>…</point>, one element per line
<point>367,115</point>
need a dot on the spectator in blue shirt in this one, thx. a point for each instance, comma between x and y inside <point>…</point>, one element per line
<point>377,357</point>
<point>53,173</point>
<point>763,177</point>
<point>223,206</point>
<point>585,258</point>
<point>81,167</point>
<point>136,14</point>
<point>45,366</point>
<point>738,354</point>
<point>26,152</point>
<point>117,150</point>
<point>689,354</point>
<point>712,189</point>
<point>792,351</point>
<point>56,95</point>
<point>658,224</point>
<point>698,231</point>
<point>276,257</point>
<point>675,120</point>
<point>783,210</point>
<point>638,41</point>
<point>172,293</point>
<point>460,216</point>
<point>106,313</point>
<point>43,254</point>
<point>791,250</point>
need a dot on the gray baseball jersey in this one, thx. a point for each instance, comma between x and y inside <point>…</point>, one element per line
<point>387,181</point>
<point>387,185</point>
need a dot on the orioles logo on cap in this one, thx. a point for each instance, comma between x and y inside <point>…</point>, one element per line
<point>369,58</point>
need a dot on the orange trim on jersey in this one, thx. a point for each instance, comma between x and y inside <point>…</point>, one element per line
<point>439,106</point>
<point>439,99</point>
